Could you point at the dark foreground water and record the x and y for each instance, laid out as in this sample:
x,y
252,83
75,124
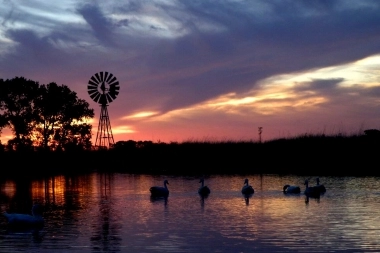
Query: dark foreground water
x,y
114,213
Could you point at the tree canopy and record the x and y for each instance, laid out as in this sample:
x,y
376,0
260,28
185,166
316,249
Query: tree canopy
x,y
47,116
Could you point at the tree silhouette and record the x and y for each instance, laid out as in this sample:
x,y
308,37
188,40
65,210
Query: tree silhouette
x,y
60,114
48,116
3,120
17,109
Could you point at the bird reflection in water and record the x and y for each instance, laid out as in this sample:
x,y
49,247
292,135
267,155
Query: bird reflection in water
x,y
307,198
202,199
311,192
154,199
246,198
22,222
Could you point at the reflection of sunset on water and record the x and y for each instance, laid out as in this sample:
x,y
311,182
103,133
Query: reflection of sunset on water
x,y
54,190
111,212
9,189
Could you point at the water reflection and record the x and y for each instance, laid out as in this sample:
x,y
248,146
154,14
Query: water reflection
x,y
159,199
105,212
246,198
316,198
106,226
202,199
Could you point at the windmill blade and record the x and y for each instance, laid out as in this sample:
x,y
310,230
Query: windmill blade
x,y
112,94
92,93
101,77
111,82
92,87
97,78
110,78
92,83
114,91
96,97
106,76
109,98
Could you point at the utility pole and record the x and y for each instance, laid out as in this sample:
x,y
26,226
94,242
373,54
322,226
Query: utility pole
x,y
260,131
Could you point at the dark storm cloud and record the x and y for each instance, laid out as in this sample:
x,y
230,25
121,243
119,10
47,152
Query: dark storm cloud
x,y
101,26
34,54
213,47
30,50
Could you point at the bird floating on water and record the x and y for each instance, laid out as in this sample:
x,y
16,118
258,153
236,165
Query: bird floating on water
x,y
159,191
247,189
291,189
320,187
26,221
311,191
204,190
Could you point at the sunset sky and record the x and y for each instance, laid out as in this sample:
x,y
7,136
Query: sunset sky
x,y
206,70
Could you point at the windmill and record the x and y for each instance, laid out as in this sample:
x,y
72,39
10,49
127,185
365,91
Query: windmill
x,y
103,88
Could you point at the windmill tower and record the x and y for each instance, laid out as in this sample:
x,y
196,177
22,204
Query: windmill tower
x,y
103,88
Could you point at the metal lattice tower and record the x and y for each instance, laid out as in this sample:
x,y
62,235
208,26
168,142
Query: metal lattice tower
x,y
104,137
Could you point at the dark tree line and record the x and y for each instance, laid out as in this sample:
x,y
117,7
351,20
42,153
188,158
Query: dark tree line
x,y
44,116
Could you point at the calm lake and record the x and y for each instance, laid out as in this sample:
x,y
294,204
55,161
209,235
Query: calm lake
x,y
114,213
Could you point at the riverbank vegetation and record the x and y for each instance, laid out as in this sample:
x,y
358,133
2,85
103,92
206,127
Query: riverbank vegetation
x,y
337,155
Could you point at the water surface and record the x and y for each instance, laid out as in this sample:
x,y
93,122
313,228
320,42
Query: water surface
x,y
114,213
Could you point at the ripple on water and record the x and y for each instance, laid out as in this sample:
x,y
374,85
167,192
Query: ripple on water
x,y
114,213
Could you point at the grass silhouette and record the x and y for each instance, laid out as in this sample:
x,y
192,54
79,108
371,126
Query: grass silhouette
x,y
335,155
